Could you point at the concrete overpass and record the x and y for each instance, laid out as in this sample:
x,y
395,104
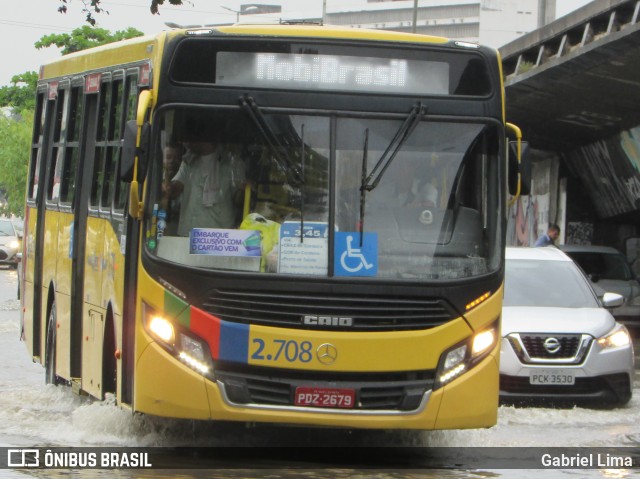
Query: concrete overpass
x,y
573,87
577,79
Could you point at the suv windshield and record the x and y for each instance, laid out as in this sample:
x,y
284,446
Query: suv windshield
x,y
6,228
546,284
245,190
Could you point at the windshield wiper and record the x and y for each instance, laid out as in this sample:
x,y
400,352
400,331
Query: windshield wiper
x,y
363,180
401,136
303,184
368,183
280,154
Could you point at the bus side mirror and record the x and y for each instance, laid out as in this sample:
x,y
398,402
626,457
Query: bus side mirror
x,y
130,150
523,168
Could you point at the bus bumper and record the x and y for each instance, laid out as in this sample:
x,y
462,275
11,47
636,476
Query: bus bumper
x,y
166,387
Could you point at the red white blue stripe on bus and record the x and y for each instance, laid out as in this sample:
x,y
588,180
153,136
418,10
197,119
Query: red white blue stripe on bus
x,y
227,341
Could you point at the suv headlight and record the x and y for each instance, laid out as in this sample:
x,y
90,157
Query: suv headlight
x,y
463,356
616,338
188,348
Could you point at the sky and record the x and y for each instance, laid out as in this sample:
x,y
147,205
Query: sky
x,y
26,21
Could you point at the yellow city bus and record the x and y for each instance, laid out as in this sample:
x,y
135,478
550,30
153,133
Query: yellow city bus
x,y
284,224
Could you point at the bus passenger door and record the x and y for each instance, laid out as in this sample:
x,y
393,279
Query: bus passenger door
x,y
79,231
105,260
34,325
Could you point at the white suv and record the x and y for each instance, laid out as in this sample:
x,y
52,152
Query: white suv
x,y
559,344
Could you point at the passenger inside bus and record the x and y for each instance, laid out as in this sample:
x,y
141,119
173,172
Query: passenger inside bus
x,y
207,185
171,160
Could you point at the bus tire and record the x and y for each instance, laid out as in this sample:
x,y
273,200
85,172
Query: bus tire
x,y
50,376
109,362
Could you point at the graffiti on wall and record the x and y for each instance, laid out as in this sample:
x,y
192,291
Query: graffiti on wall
x,y
579,233
522,222
528,219
529,216
610,172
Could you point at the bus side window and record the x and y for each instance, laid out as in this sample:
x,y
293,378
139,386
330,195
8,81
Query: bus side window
x,y
130,99
57,153
69,169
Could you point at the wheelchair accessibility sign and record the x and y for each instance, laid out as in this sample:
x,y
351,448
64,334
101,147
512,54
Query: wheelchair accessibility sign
x,y
353,259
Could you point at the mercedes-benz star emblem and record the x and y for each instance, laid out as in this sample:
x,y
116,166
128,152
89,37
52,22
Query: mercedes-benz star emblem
x,y
552,345
327,353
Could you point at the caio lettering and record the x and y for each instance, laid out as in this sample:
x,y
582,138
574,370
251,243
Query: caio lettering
x,y
331,321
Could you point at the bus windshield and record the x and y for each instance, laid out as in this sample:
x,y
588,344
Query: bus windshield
x,y
252,190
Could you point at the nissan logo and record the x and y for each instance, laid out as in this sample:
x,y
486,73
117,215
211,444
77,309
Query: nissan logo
x,y
327,354
552,345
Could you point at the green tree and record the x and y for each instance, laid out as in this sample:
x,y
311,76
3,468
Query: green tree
x,y
95,6
20,94
85,37
15,138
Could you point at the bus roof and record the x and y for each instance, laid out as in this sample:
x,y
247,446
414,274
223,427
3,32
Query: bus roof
x,y
327,31
147,47
122,52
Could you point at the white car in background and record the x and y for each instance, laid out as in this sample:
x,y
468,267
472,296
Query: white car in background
x,y
9,243
608,270
559,342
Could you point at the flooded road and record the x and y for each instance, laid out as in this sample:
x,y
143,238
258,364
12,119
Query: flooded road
x,y
33,414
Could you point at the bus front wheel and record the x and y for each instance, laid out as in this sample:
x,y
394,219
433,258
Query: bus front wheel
x,y
109,362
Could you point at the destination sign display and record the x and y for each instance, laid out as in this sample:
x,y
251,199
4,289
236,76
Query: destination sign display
x,y
332,72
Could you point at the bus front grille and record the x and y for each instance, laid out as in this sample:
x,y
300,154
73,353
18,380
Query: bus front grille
x,y
398,391
328,311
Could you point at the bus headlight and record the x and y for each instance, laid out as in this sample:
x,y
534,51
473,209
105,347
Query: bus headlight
x,y
195,354
189,349
162,329
453,366
617,337
483,341
462,357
